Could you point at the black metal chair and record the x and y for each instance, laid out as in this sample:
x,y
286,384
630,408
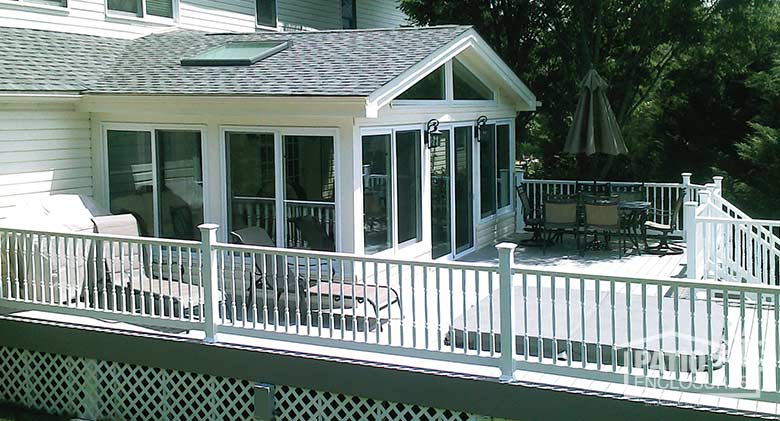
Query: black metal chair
x,y
671,218
602,216
531,219
560,216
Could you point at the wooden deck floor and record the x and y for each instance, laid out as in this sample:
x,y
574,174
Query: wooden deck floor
x,y
565,257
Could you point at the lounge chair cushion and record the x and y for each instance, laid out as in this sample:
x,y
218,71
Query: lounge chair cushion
x,y
125,225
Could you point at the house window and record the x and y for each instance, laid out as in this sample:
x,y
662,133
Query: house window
x,y
157,175
348,14
289,203
237,53
494,162
392,181
265,12
467,86
143,8
431,87
54,3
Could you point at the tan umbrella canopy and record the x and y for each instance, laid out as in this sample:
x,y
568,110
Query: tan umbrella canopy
x,y
595,128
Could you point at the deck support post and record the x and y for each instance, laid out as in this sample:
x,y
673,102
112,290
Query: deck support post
x,y
210,316
718,181
689,213
519,221
507,310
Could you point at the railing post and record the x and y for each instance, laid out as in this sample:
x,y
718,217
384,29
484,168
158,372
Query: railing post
x,y
718,181
690,238
208,233
507,310
519,221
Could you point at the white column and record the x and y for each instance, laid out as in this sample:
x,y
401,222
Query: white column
x,y
208,234
519,222
718,181
507,310
689,213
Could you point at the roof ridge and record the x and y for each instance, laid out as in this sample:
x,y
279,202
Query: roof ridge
x,y
326,31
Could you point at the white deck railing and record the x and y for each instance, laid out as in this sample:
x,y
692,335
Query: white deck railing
x,y
729,245
662,196
669,333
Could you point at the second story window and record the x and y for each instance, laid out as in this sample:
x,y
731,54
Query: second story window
x,y
348,14
56,3
142,8
265,12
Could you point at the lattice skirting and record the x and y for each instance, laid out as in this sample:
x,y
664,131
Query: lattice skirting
x,y
102,390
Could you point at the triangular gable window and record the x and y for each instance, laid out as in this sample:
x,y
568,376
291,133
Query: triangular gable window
x,y
466,85
431,87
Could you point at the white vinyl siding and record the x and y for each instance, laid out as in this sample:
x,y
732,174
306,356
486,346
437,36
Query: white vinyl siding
x,y
44,149
495,229
89,16
379,14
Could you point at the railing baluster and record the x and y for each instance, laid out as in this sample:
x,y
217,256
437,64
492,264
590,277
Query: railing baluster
x,y
726,368
426,327
463,275
760,328
439,310
479,310
539,343
677,357
597,299
694,363
629,348
709,362
552,315
492,340
743,334
390,305
662,353
645,359
583,345
452,310
612,325
526,344
377,302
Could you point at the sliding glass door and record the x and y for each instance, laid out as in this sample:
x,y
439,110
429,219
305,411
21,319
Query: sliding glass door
x,y
157,175
463,195
441,238
291,204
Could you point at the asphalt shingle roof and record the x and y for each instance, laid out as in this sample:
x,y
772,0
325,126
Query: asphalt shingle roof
x,y
325,63
33,60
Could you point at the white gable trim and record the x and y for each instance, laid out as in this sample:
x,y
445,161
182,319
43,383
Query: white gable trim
x,y
468,39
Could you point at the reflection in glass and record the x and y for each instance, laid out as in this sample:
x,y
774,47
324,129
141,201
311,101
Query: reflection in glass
x,y
466,85
487,170
502,166
464,219
377,196
441,243
251,186
309,190
130,177
409,185
431,87
180,174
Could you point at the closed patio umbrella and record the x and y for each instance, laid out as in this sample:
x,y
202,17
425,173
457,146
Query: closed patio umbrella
x,y
595,128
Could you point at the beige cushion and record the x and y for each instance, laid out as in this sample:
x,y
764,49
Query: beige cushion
x,y
116,225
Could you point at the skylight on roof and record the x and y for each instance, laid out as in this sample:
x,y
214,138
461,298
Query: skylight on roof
x,y
236,53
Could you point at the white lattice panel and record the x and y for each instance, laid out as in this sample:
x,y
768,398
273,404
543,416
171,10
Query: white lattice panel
x,y
107,390
293,403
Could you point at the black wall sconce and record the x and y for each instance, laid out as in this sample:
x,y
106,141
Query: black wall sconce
x,y
479,128
432,134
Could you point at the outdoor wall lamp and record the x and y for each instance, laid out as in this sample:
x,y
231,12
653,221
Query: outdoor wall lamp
x,y
432,134
479,128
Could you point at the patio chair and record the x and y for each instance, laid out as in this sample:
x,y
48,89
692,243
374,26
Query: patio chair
x,y
531,220
603,216
663,247
593,187
560,215
127,274
631,193
313,233
285,287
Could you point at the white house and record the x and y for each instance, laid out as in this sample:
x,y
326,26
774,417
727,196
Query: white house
x,y
181,127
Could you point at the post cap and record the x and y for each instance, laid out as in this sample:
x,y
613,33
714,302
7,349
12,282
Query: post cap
x,y
686,174
506,246
717,178
691,204
208,227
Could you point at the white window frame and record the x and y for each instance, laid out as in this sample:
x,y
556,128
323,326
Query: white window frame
x,y
395,247
279,187
474,189
275,27
27,5
449,94
144,17
152,128
499,212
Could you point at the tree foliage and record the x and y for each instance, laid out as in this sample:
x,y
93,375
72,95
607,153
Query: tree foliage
x,y
694,83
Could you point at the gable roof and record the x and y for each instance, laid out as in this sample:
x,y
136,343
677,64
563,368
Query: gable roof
x,y
324,63
376,64
34,60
